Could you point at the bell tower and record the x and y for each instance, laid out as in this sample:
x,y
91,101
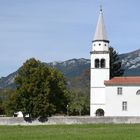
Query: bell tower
x,y
100,68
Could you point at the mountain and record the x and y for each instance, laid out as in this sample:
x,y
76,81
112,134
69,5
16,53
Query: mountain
x,y
71,68
131,63
75,69
8,81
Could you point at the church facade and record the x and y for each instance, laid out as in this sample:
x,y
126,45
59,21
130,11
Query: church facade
x,y
119,96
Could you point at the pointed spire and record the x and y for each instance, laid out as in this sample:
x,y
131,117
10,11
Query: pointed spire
x,y
100,34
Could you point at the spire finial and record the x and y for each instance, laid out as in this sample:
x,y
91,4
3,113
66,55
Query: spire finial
x,y
101,8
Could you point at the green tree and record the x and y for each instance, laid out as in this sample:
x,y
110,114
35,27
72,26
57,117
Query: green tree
x,y
10,105
78,103
79,95
41,91
58,92
115,64
4,97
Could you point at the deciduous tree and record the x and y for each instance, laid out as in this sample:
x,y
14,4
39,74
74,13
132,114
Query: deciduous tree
x,y
41,91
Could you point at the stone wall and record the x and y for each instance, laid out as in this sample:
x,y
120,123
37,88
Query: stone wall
x,y
69,120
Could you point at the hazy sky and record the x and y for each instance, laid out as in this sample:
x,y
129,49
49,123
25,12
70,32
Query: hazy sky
x,y
58,30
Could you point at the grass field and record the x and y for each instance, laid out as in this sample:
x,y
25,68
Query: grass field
x,y
71,132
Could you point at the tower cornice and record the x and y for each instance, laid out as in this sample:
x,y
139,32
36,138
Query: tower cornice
x,y
107,41
99,52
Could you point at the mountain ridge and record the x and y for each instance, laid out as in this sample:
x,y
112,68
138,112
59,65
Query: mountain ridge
x,y
75,67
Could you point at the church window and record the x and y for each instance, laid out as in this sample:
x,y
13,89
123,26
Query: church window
x,y
99,44
119,91
105,44
94,44
102,63
96,63
124,106
138,92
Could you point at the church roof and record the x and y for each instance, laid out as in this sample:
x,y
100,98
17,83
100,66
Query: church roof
x,y
100,33
123,81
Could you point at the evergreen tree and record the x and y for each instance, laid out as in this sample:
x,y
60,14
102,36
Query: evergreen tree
x,y
115,64
41,91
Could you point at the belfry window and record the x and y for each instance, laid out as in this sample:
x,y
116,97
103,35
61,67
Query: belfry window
x,y
97,63
102,63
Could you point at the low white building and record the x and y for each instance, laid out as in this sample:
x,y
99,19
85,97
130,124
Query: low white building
x,y
123,96
119,96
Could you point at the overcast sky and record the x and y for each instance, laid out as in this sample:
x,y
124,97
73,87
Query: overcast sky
x,y
58,30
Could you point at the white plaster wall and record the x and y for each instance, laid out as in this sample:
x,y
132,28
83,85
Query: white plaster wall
x,y
102,47
98,76
114,101
97,96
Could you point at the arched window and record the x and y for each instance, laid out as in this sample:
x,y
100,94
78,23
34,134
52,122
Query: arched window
x,y
99,112
102,63
138,92
96,63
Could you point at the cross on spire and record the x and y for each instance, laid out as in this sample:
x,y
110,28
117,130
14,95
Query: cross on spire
x,y
101,8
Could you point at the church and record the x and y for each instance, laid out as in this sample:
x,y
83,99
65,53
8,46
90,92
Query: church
x,y
119,96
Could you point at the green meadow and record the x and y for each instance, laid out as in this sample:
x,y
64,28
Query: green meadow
x,y
71,132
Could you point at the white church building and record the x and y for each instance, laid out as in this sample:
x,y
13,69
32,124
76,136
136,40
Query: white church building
x,y
119,96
